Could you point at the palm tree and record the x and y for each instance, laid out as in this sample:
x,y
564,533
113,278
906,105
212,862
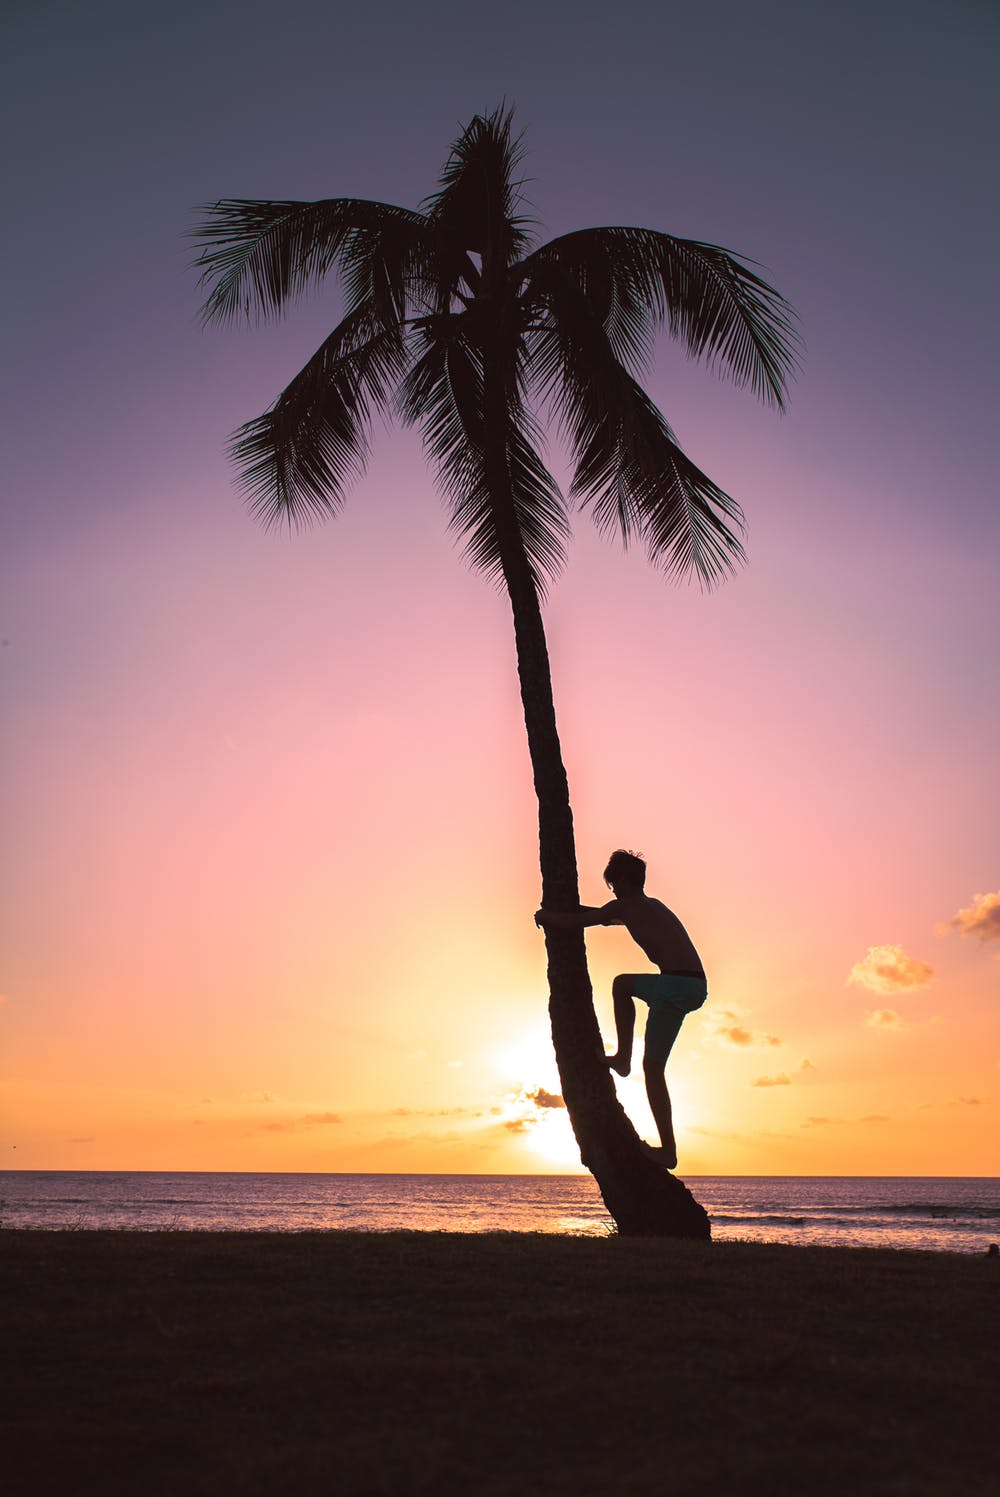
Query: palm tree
x,y
459,323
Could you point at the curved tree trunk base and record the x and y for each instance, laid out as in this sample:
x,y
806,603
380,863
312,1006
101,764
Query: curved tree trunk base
x,y
644,1198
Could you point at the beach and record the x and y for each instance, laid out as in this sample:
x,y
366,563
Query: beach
x,y
407,1363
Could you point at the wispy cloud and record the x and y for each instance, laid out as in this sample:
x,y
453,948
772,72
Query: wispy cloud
x,y
957,1102
885,1018
436,1112
731,1029
888,969
783,1078
308,1120
980,919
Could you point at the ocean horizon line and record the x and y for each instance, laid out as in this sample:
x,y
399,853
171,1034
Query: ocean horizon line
x,y
482,1174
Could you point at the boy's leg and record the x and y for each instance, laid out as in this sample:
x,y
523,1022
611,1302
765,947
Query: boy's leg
x,y
662,1029
621,992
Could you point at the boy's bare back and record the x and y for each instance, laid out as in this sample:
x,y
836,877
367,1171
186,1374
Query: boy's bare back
x,y
656,930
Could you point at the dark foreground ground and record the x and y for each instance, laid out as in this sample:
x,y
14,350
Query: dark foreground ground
x,y
342,1363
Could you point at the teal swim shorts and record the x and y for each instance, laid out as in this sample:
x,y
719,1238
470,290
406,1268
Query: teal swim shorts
x,y
682,994
669,997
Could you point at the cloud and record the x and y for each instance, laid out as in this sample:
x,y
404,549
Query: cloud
x,y
980,919
782,1078
309,1120
955,1102
876,1117
258,1097
89,1140
885,1018
888,969
436,1112
529,1107
542,1098
730,1029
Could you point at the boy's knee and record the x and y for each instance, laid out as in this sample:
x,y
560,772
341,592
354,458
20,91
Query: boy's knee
x,y
621,987
652,1067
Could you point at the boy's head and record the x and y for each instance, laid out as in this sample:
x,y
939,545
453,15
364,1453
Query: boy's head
x,y
625,870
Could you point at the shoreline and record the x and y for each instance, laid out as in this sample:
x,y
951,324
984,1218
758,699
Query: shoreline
x,y
412,1362
513,1234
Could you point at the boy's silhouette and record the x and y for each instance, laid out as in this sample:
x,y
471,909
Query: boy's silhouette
x,y
677,989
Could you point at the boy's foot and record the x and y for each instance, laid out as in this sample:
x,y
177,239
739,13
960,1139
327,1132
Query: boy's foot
x,y
664,1156
620,1063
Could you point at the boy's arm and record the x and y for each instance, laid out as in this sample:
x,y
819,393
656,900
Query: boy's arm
x,y
587,914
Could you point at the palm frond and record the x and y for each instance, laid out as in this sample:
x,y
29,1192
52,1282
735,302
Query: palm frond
x,y
710,299
595,265
443,393
297,460
629,467
256,256
478,201
688,524
540,514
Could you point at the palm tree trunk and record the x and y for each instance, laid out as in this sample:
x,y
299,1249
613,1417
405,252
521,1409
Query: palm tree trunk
x,y
642,1197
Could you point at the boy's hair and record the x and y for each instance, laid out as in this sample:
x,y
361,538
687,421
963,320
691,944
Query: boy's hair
x,y
625,868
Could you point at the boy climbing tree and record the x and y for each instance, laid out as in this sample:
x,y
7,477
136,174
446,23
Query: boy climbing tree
x,y
676,990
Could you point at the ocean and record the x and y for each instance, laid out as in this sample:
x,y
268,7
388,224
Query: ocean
x,y
936,1214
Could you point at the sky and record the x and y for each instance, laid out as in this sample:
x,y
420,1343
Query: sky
x,y
268,849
